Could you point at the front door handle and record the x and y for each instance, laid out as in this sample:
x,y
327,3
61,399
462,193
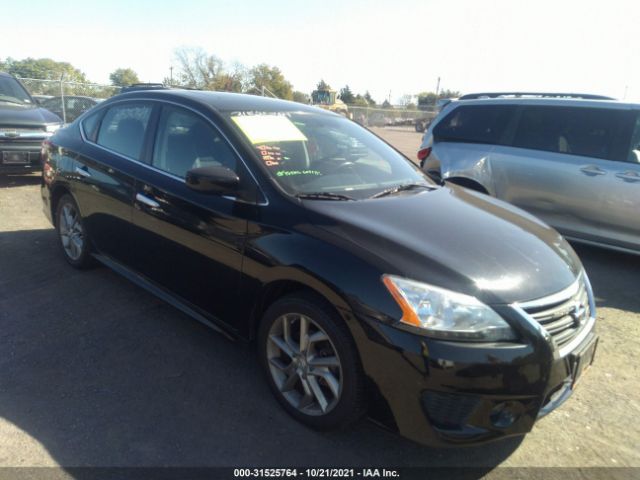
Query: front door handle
x,y
83,172
147,201
592,170
629,176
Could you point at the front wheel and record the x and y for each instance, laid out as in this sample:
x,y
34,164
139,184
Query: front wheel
x,y
71,233
311,362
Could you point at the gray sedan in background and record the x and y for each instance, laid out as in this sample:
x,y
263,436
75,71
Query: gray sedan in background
x,y
571,160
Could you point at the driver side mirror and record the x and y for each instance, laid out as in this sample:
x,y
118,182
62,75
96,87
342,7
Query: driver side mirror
x,y
213,179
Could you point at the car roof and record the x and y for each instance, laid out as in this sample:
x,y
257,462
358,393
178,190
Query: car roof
x,y
550,101
224,101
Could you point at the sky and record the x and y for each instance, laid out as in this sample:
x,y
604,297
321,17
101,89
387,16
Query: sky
x,y
389,47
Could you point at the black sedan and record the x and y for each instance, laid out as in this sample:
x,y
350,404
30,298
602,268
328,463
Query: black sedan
x,y
444,314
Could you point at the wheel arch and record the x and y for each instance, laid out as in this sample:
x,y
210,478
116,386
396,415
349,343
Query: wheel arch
x,y
279,288
57,192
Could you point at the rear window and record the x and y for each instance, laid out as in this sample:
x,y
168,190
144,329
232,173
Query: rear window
x,y
591,132
476,124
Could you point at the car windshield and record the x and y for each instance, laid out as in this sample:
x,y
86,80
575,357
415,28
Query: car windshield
x,y
12,92
326,157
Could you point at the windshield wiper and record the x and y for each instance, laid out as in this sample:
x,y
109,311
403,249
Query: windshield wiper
x,y
401,188
323,196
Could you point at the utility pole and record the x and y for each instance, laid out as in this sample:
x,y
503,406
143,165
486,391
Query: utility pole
x,y
64,110
171,75
437,89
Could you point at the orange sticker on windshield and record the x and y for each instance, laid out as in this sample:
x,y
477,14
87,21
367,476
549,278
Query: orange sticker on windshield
x,y
271,155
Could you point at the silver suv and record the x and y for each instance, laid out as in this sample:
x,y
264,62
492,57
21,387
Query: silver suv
x,y
571,160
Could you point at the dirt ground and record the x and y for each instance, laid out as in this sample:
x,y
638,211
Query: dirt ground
x,y
96,372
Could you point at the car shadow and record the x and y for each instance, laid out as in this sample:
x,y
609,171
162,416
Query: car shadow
x,y
19,180
614,276
101,373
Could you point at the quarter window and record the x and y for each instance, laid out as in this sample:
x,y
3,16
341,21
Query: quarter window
x,y
90,125
186,141
590,132
476,124
123,128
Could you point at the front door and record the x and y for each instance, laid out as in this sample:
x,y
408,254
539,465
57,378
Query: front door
x,y
190,243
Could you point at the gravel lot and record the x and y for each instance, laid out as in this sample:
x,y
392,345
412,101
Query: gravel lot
x,y
96,372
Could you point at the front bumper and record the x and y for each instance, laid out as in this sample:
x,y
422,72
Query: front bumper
x,y
20,157
445,393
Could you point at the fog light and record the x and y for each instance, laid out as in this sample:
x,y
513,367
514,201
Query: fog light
x,y
504,414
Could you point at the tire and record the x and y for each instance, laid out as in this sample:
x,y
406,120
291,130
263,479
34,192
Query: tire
x,y
74,242
329,364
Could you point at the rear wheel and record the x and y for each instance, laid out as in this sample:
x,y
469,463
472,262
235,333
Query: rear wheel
x,y
72,234
311,363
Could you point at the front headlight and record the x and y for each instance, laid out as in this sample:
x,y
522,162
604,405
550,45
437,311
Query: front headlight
x,y
53,128
445,314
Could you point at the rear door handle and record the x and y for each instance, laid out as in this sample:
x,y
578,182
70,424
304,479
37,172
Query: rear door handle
x,y
592,170
147,201
629,176
83,172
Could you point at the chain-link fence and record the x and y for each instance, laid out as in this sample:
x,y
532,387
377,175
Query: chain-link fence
x,y
69,100
66,99
392,117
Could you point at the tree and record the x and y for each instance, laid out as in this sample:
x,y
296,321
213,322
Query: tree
x,y
370,101
429,99
197,69
360,101
300,97
346,95
386,104
123,77
272,79
322,85
406,100
43,69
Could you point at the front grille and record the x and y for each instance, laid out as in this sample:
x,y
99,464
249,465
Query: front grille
x,y
21,134
562,317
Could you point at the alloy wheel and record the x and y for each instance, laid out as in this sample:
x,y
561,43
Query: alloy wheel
x,y
71,232
304,364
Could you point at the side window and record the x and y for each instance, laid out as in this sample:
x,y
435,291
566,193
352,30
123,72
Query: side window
x,y
590,132
476,124
634,153
123,127
185,141
90,125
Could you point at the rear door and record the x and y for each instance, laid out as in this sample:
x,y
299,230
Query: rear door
x,y
559,164
190,243
621,223
104,185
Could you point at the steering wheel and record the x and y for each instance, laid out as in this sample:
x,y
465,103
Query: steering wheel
x,y
332,164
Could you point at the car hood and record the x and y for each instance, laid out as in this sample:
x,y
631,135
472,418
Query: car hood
x,y
25,116
456,239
